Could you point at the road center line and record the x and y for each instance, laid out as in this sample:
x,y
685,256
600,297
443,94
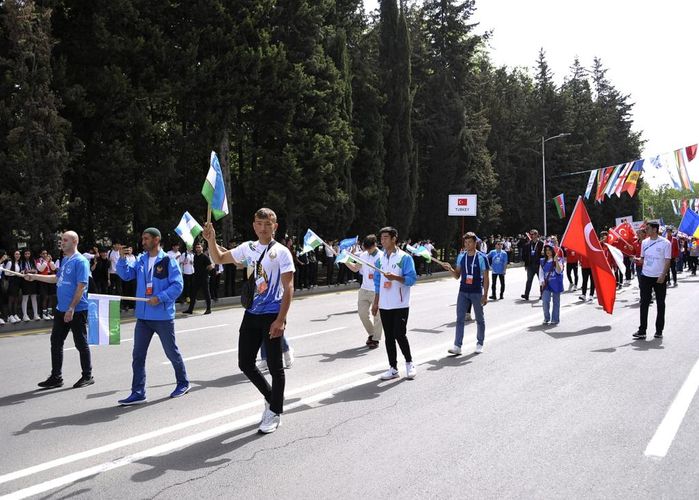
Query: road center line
x,y
666,431
228,351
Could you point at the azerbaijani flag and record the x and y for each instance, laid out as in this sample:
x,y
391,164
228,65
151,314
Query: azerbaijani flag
x,y
188,229
311,241
560,203
420,251
103,319
214,190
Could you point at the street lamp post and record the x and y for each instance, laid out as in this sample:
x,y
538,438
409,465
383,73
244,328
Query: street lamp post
x,y
543,172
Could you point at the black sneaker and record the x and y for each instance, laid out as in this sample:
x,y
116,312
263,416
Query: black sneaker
x,y
374,344
493,297
639,335
525,297
658,335
369,340
51,383
84,381
187,312
208,311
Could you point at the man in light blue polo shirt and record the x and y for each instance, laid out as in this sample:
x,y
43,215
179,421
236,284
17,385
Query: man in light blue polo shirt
x,y
498,263
71,281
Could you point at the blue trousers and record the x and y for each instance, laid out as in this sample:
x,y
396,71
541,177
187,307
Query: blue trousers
x,y
552,315
464,301
143,334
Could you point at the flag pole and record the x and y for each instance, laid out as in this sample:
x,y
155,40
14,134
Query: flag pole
x,y
113,297
208,213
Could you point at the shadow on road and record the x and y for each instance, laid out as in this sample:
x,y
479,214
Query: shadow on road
x,y
450,361
16,399
637,345
551,331
335,314
355,352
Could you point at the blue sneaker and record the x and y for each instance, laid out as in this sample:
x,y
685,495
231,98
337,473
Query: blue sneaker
x,y
134,399
180,390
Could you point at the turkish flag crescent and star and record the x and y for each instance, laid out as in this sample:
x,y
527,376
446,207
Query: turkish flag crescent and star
x,y
581,237
623,237
463,201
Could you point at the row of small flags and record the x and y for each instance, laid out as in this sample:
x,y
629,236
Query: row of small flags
x,y
623,178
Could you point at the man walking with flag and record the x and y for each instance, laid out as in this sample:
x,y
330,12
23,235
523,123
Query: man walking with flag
x,y
71,281
159,279
656,253
264,321
371,254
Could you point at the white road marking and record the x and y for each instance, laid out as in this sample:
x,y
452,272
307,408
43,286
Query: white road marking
x,y
665,434
178,331
507,329
228,351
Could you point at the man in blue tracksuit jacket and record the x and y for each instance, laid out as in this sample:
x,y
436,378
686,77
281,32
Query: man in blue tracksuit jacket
x,y
159,279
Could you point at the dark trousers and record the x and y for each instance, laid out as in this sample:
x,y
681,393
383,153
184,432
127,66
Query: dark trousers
x,y
502,283
673,270
254,332
648,285
627,263
572,270
214,283
313,273
330,263
115,284
101,286
692,262
395,327
200,283
532,272
587,275
59,332
229,272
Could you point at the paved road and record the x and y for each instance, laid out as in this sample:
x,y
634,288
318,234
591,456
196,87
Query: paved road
x,y
565,412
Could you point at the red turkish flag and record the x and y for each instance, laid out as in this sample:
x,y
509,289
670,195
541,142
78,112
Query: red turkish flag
x,y
691,152
623,237
581,237
462,201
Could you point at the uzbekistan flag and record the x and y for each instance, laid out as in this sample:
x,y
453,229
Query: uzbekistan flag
x,y
560,203
420,251
311,241
188,229
214,190
344,257
103,319
348,243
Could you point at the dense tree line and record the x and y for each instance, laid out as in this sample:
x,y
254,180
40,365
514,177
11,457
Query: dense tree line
x,y
339,120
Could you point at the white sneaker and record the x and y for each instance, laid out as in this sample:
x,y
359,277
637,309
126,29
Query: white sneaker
x,y
571,287
469,317
45,317
262,365
410,370
37,318
289,357
589,299
26,319
2,321
389,374
582,297
270,422
50,316
13,319
479,348
455,350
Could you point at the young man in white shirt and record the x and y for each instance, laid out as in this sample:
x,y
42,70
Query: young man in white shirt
x,y
392,300
265,319
656,254
366,295
186,262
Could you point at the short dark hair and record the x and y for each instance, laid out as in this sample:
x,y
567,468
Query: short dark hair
x,y
265,214
390,230
654,224
369,241
471,236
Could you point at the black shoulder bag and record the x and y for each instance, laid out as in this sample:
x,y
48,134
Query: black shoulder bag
x,y
247,291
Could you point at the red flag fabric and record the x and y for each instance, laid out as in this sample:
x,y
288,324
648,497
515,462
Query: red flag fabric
x,y
603,176
581,237
691,152
623,237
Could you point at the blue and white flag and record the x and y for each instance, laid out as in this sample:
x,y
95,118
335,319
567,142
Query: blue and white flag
x,y
214,189
311,241
348,243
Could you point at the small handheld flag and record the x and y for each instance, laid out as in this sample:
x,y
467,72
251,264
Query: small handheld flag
x,y
560,203
421,251
348,243
188,229
214,189
103,320
311,241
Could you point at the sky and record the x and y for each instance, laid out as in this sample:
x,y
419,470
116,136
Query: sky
x,y
650,49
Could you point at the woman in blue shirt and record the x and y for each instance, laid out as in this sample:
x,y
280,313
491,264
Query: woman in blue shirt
x,y
551,279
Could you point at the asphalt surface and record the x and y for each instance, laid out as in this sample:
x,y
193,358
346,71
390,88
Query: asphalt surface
x,y
544,412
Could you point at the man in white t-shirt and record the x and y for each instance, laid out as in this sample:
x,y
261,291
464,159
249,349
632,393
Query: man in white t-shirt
x,y
656,253
265,318
371,254
174,252
186,262
114,280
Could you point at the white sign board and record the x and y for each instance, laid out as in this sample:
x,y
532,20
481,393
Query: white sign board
x,y
621,220
462,205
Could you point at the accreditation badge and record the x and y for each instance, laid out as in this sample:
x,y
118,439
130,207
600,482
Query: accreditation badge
x,y
149,289
469,279
387,284
261,285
